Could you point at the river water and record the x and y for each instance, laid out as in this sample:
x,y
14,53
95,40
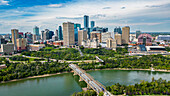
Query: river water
x,y
66,84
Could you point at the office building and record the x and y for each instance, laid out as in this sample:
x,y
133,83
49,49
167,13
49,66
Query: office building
x,y
36,31
100,29
60,33
42,35
111,43
92,24
68,34
164,37
76,28
97,35
29,37
105,36
118,38
138,32
7,49
90,43
118,30
21,44
82,35
125,34
15,36
51,33
86,21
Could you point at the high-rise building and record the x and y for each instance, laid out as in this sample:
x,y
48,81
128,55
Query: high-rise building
x,y
86,21
42,35
118,38
51,33
21,44
92,24
68,34
20,34
46,34
97,35
29,37
106,36
76,28
138,32
111,43
15,36
36,31
60,33
82,35
125,34
118,30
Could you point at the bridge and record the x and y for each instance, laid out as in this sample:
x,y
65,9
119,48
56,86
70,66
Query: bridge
x,y
100,60
91,83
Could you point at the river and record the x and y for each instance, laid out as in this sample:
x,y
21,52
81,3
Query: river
x,y
66,84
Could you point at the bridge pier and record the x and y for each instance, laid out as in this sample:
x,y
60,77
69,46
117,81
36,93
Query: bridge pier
x,y
75,73
88,87
80,79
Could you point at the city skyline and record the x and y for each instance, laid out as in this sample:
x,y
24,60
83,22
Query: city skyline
x,y
144,15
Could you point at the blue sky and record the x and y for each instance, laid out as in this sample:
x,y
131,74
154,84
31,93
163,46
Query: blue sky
x,y
144,15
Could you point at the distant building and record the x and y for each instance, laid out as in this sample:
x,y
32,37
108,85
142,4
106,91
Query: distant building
x,y
60,33
86,21
20,34
97,35
145,39
42,35
164,37
138,32
68,34
111,43
29,37
90,43
155,49
21,44
76,28
35,47
92,24
105,36
118,38
3,66
100,29
118,30
125,34
82,35
15,36
7,48
58,43
36,31
51,34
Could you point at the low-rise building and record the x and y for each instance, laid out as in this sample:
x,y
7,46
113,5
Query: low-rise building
x,y
90,43
111,43
105,36
35,47
3,66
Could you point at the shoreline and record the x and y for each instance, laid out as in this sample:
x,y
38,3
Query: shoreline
x,y
48,75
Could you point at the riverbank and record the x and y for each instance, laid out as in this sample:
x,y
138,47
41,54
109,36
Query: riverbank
x,y
48,75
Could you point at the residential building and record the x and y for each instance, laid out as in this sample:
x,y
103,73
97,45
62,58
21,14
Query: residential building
x,y
15,36
82,35
125,34
105,36
68,34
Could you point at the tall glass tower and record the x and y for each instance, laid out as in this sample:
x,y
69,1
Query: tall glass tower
x,y
36,31
86,21
92,24
60,33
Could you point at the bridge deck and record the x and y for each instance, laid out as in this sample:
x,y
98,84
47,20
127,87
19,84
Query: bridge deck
x,y
95,85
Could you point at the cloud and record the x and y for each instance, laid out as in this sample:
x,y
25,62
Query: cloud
x,y
55,5
106,7
69,17
3,2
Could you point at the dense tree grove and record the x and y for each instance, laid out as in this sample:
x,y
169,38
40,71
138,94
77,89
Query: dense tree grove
x,y
156,87
87,93
167,49
20,70
18,58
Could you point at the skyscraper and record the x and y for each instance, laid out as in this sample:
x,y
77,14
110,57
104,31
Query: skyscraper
x,y
118,38
42,35
138,32
36,31
29,37
68,34
51,33
118,30
76,28
82,35
125,34
60,33
15,36
92,24
86,21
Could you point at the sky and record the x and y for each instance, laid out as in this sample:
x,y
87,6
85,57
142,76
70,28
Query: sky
x,y
144,15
